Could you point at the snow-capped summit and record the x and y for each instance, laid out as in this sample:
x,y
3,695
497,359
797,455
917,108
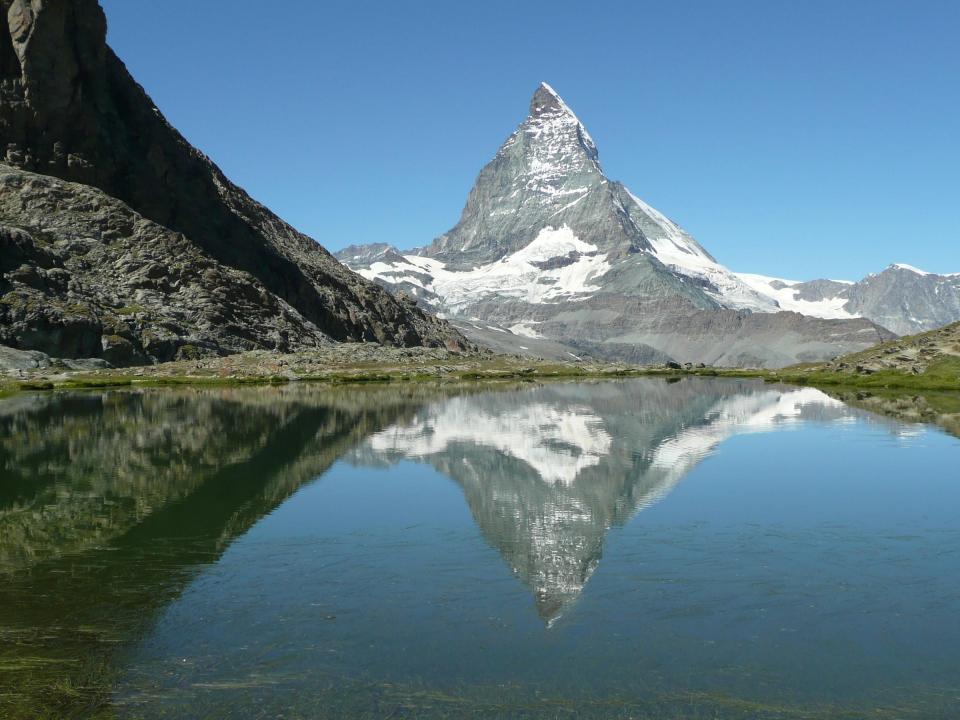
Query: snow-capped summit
x,y
548,165
549,114
547,176
547,243
911,268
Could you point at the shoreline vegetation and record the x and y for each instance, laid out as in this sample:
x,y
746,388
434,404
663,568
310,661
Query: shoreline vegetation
x,y
418,365
914,379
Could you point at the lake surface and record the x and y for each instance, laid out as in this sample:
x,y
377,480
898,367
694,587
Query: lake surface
x,y
640,548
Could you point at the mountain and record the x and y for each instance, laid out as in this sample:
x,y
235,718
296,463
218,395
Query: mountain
x,y
549,247
118,239
902,298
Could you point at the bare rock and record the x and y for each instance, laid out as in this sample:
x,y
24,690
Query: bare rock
x,y
139,219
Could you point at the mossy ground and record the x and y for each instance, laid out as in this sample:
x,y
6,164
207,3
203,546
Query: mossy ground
x,y
941,376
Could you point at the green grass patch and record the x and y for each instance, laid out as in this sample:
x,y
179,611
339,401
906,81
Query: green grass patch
x,y
943,375
8,389
81,383
947,368
876,381
35,385
129,310
356,378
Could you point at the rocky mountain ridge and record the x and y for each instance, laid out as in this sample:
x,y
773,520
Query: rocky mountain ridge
x,y
122,241
901,298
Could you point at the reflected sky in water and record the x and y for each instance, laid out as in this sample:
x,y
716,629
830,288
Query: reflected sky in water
x,y
708,548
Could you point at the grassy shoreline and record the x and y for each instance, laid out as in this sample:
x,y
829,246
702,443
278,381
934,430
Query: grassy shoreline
x,y
815,377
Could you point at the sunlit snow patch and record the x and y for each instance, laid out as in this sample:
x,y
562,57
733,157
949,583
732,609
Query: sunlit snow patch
x,y
786,297
520,275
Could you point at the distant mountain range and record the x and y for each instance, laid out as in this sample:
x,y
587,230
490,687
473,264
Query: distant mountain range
x,y
549,249
121,241
902,298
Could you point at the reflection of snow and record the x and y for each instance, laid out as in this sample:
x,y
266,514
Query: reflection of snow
x,y
550,526
557,443
760,412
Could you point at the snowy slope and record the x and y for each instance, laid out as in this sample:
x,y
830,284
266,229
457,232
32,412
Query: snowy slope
x,y
902,298
681,253
556,266
786,292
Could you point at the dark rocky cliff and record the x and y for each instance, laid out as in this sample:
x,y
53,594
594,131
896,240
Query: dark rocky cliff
x,y
69,109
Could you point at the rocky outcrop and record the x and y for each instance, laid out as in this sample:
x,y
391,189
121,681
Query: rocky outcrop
x,y
936,352
14,362
69,109
85,276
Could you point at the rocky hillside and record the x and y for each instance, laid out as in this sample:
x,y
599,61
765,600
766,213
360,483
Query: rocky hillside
x,y
547,247
121,240
937,352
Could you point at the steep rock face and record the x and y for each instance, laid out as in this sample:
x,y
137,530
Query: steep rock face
x,y
70,109
82,275
548,247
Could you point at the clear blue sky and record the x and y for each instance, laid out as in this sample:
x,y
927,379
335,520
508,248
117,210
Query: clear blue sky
x,y
800,139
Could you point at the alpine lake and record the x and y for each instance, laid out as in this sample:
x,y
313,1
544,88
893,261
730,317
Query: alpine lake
x,y
643,548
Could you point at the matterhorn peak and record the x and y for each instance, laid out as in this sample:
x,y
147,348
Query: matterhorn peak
x,y
550,115
548,248
546,99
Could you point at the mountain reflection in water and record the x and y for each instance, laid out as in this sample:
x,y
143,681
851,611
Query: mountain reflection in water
x,y
547,471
